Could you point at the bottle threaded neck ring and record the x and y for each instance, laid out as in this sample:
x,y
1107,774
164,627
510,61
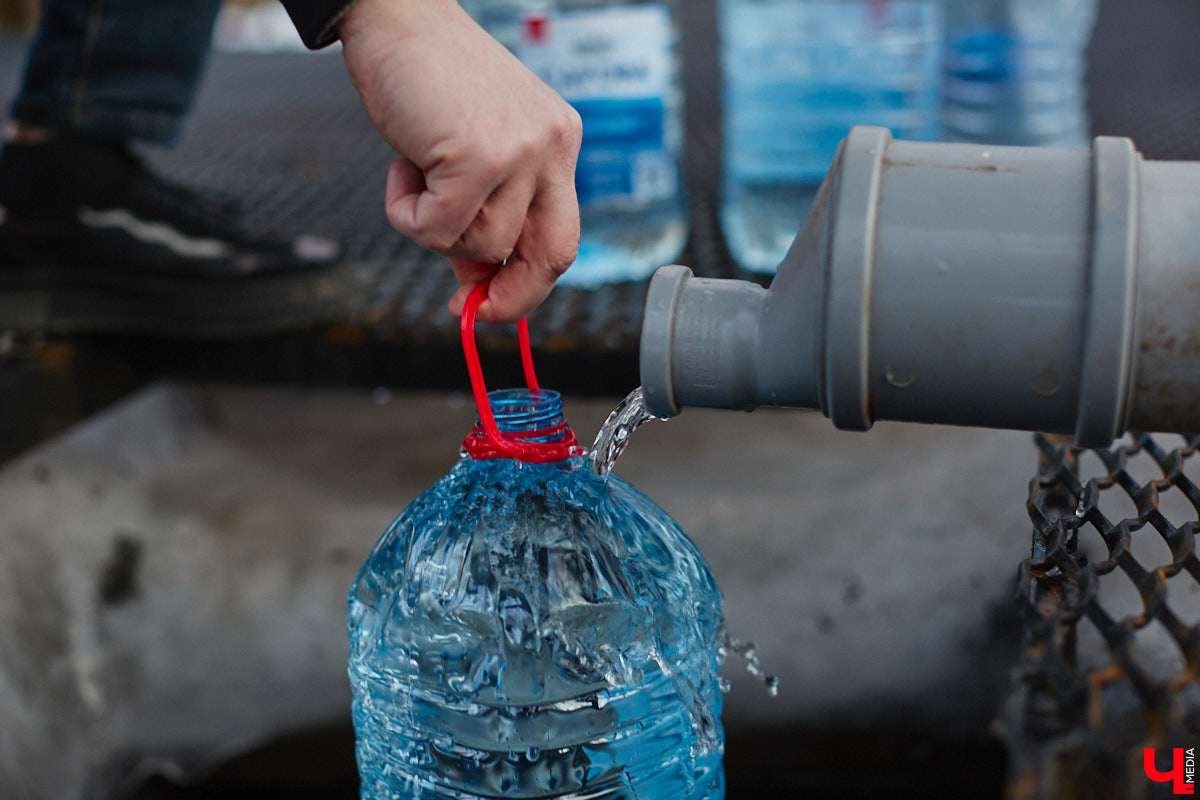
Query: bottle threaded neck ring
x,y
531,424
524,410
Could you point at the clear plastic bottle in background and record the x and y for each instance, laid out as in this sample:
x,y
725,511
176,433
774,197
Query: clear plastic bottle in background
x,y
617,62
797,75
533,630
1015,72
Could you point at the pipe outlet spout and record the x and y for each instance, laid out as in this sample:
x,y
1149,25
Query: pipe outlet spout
x,y
1028,288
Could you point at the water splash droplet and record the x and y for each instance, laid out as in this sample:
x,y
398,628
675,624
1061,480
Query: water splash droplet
x,y
900,377
748,652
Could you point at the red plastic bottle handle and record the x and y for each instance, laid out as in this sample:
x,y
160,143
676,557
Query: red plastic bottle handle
x,y
503,446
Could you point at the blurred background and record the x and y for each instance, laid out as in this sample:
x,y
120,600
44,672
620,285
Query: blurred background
x,y
179,521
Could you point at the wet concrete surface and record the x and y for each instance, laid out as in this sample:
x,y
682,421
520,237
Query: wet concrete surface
x,y
173,574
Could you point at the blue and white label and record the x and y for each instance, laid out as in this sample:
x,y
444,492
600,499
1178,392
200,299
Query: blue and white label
x,y
616,67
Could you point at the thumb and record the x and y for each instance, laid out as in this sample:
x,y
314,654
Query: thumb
x,y
405,183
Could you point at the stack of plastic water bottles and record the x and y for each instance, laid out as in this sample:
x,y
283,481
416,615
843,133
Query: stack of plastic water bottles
x,y
797,75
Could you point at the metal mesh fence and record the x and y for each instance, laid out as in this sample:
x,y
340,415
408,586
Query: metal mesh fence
x,y
1111,602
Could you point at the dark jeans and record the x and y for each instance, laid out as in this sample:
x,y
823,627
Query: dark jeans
x,y
117,69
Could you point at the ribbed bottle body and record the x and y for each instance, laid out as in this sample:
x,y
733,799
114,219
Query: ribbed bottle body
x,y
533,630
1015,72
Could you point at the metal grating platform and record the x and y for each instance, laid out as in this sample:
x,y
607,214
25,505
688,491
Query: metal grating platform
x,y
286,135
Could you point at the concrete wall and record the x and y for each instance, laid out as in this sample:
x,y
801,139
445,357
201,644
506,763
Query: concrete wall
x,y
173,572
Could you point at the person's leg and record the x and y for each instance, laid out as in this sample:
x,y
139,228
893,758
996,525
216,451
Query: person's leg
x,y
90,239
115,69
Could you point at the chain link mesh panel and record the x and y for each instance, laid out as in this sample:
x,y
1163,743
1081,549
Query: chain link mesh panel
x,y
1111,602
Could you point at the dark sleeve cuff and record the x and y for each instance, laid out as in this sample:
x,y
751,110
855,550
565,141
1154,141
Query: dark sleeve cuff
x,y
317,20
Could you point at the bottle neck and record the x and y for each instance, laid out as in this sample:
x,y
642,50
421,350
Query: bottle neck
x,y
529,410
531,419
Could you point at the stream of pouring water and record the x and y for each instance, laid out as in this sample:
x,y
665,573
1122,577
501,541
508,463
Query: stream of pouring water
x,y
610,442
614,434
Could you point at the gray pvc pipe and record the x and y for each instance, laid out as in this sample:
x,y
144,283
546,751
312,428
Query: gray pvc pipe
x,y
1029,288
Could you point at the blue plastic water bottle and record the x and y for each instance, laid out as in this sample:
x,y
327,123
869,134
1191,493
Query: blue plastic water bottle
x,y
527,628
797,75
1015,72
617,63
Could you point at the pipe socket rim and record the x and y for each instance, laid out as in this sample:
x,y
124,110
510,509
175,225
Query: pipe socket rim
x,y
1110,324
848,290
658,339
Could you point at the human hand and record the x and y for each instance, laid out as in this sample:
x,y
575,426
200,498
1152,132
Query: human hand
x,y
486,167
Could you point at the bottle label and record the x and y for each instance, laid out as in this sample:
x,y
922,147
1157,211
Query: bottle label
x,y
616,67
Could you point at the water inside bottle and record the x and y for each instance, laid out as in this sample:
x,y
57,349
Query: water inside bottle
x,y
537,630
611,441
